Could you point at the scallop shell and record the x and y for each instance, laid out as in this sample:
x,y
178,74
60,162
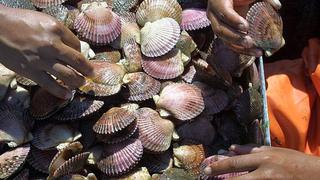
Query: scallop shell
x,y
120,6
265,27
41,159
95,154
47,3
44,104
183,101
90,176
120,158
21,4
133,57
54,136
129,28
72,15
25,81
187,46
138,174
194,19
114,120
189,157
155,133
157,163
13,130
80,107
108,79
168,66
189,74
152,10
12,160
141,86
23,175
98,25
108,54
159,37
60,12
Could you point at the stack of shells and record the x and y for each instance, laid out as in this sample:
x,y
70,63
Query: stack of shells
x,y
166,95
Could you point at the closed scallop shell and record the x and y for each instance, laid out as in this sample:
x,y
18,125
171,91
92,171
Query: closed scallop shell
x,y
159,37
106,82
114,120
53,136
129,28
183,101
168,66
141,86
25,81
120,6
41,159
187,46
152,10
133,57
47,3
60,12
194,19
265,27
98,24
120,158
12,160
79,108
21,4
155,133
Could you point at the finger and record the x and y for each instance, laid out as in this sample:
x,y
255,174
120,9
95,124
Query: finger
x,y
226,13
252,175
75,59
275,3
247,149
234,164
70,39
247,51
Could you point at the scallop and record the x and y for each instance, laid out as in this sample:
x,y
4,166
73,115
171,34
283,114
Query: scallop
x,y
129,28
120,6
47,3
59,12
41,159
194,19
133,57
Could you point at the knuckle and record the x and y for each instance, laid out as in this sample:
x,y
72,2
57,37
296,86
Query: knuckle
x,y
233,164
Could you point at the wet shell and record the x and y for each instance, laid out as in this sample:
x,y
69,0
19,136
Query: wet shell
x,y
157,163
108,79
183,101
40,159
114,120
265,27
187,46
141,86
110,55
47,3
21,4
60,12
120,6
44,104
159,37
194,19
25,81
12,160
152,10
133,57
98,25
189,157
54,136
190,74
80,107
129,28
120,158
168,66
155,133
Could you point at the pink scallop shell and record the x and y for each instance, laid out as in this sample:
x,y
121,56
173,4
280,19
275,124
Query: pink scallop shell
x,y
47,3
194,19
132,54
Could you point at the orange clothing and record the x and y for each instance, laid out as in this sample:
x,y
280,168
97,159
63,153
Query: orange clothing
x,y
293,89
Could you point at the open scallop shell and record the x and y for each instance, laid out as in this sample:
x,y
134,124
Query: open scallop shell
x,y
12,160
141,86
41,159
155,133
183,101
159,37
98,24
108,79
25,81
133,57
265,27
168,66
194,19
152,10
47,3
79,108
54,136
120,158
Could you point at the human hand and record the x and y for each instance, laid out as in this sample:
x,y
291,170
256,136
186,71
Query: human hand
x,y
267,163
228,24
37,46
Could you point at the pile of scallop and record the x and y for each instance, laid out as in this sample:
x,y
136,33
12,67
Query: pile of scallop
x,y
167,94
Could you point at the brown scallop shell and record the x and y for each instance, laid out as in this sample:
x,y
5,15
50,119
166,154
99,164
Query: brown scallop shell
x,y
110,55
183,101
54,136
168,66
43,104
129,28
98,24
159,37
265,27
120,158
133,57
60,12
152,10
155,133
41,159
194,19
12,160
25,81
141,86
47,3
108,79
80,107
189,157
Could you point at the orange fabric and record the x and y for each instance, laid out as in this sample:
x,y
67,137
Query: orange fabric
x,y
293,89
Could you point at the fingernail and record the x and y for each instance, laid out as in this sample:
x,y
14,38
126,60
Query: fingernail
x,y
233,146
208,170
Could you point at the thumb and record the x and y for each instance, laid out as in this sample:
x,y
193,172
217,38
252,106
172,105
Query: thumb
x,y
275,3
